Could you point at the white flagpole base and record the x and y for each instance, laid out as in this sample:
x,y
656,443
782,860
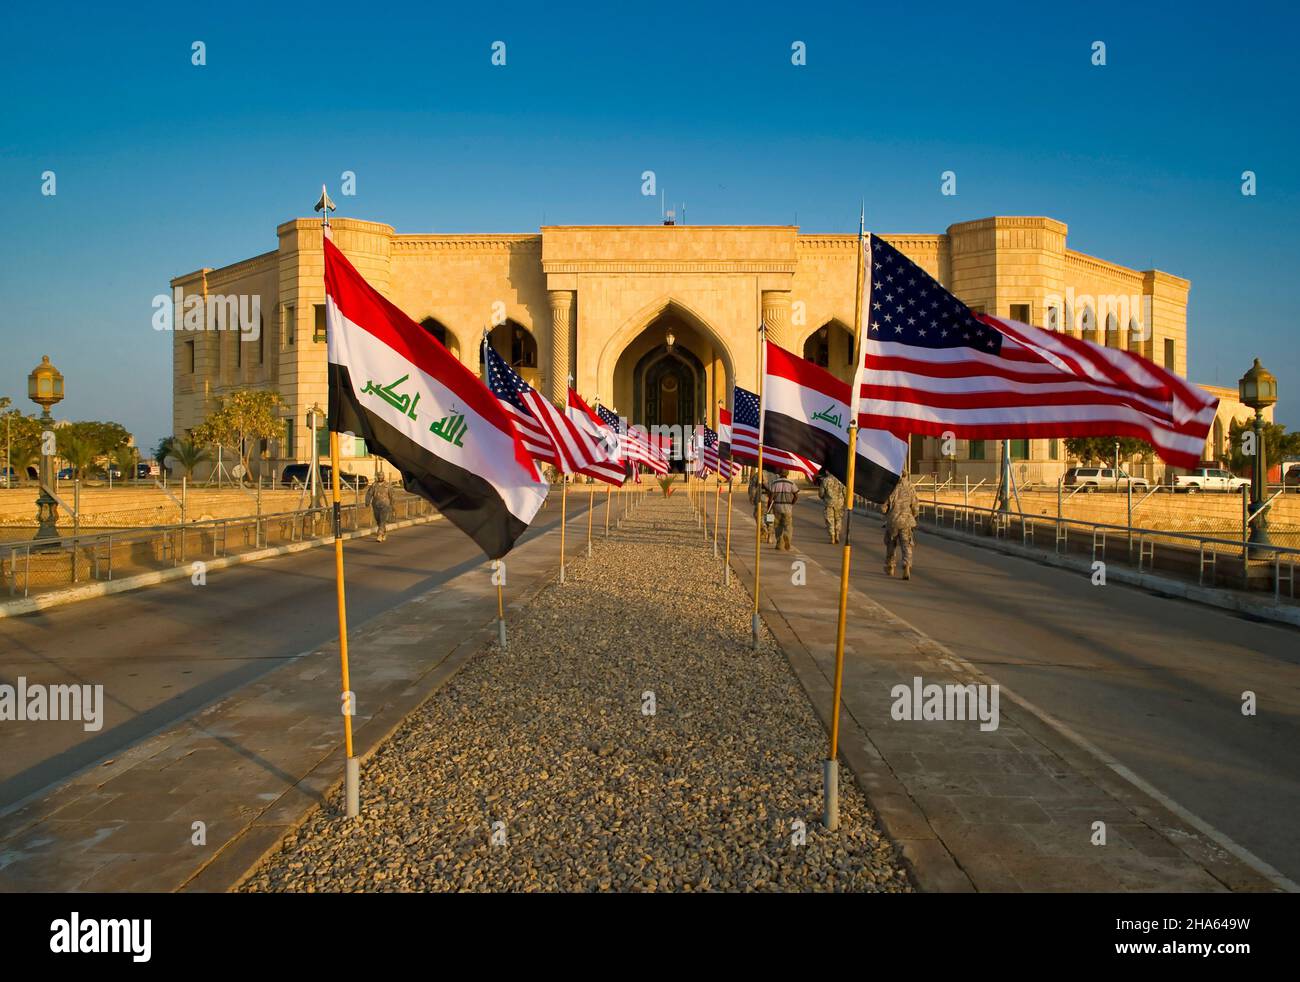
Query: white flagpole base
x,y
501,634
753,631
352,786
831,794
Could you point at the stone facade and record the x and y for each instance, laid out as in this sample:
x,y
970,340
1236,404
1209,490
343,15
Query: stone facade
x,y
601,303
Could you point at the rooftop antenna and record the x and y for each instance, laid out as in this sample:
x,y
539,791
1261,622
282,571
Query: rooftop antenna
x,y
683,212
662,192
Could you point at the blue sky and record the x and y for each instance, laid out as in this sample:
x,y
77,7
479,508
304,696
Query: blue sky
x,y
164,167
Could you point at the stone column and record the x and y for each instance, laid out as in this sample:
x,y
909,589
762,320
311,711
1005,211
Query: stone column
x,y
776,317
561,362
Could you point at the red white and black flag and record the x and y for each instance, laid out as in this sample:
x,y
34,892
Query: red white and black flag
x,y
425,413
806,412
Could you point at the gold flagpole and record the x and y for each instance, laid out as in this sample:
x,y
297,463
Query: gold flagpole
x,y
564,503
351,766
758,526
726,556
591,511
831,766
717,503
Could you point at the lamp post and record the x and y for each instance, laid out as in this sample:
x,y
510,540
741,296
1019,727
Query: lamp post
x,y
314,414
45,388
1258,390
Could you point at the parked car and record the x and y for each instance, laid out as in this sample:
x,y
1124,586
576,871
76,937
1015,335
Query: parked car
x,y
143,471
1092,478
1291,478
65,474
8,477
1209,479
301,474
114,472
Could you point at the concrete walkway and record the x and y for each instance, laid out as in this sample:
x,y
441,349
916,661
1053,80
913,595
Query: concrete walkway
x,y
1011,809
256,764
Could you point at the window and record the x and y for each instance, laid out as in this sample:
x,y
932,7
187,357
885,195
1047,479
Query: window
x,y
189,356
918,451
261,340
239,350
1170,360
290,325
976,450
1053,318
523,349
1053,449
318,323
288,438
1021,312
1019,449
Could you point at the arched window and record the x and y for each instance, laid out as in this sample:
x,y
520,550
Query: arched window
x,y
438,331
1112,330
1135,333
1088,323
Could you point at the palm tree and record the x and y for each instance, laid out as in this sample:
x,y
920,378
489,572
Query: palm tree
x,y
124,459
188,455
80,456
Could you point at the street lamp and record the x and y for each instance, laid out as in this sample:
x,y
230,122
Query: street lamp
x,y
1258,391
45,388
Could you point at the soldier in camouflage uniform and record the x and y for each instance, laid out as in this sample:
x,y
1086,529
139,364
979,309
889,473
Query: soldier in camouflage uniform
x,y
783,493
831,491
900,511
379,496
757,493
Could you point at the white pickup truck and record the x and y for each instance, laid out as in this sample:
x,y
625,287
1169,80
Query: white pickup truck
x,y
1209,479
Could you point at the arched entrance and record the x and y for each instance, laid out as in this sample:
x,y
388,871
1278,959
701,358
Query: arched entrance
x,y
668,387
666,368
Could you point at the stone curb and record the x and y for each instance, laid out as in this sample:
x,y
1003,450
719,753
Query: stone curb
x,y
1224,599
29,605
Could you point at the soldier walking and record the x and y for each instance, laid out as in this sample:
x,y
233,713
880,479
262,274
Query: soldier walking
x,y
900,511
783,494
379,496
831,491
757,492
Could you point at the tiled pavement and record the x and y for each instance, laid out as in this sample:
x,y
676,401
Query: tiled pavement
x,y
1005,810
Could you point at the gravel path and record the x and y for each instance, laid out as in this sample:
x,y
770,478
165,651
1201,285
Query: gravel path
x,y
549,745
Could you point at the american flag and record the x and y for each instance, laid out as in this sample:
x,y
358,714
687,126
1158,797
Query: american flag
x,y
635,446
548,434
744,439
708,451
931,366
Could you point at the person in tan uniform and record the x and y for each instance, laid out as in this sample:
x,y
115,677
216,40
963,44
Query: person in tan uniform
x,y
900,510
783,493
379,496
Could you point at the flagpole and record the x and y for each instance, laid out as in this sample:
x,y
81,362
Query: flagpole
x,y
591,510
351,766
759,514
609,501
717,504
727,553
831,766
564,502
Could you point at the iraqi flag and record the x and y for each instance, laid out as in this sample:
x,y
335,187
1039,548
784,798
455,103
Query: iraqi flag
x,y
806,412
425,413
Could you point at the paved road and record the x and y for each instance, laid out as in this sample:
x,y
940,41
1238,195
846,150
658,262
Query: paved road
x,y
164,652
1157,683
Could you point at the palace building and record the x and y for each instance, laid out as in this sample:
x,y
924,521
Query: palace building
x,y
656,321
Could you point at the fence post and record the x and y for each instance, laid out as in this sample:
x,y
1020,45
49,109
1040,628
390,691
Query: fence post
x,y
1245,538
1129,485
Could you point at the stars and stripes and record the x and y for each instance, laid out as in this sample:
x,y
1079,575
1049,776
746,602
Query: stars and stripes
x,y
931,366
548,435
612,469
744,439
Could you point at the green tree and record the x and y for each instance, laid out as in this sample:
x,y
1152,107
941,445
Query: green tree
x,y
1278,444
125,457
241,420
77,451
102,437
163,450
1102,448
188,455
24,436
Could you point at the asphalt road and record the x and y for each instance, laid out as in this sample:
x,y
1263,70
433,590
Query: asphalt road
x,y
164,652
1157,683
